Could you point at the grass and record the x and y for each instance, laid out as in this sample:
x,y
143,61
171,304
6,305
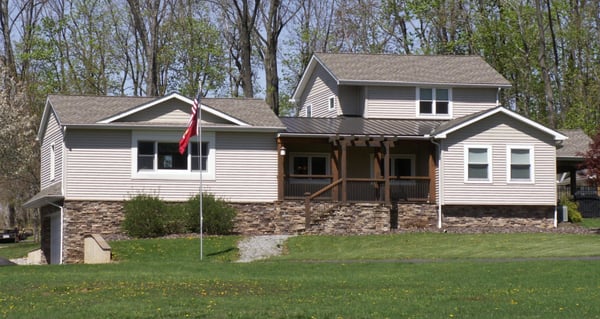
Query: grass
x,y
463,276
590,223
12,250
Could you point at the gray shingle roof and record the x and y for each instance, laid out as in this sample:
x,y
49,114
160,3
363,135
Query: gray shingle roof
x,y
83,110
577,143
358,126
412,69
50,194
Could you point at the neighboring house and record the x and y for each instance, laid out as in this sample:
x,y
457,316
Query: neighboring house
x,y
381,142
98,151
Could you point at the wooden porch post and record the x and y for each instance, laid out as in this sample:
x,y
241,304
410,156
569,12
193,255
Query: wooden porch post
x,y
335,165
344,165
432,169
377,170
386,172
280,170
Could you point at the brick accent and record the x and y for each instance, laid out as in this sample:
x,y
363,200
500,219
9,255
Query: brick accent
x,y
498,216
83,218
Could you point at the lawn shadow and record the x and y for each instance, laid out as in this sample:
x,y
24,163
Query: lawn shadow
x,y
222,252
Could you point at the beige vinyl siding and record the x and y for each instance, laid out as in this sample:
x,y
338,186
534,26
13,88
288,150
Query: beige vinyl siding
x,y
391,102
53,135
321,86
466,101
170,111
99,169
498,132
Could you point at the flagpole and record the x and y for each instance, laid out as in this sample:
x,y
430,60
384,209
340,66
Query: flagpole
x,y
199,128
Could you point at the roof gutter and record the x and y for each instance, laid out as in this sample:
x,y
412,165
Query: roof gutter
x,y
316,135
401,83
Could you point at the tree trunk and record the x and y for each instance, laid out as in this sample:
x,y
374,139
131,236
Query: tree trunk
x,y
543,67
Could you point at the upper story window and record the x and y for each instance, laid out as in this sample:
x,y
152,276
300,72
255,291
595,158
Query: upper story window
x,y
52,162
308,110
478,163
331,103
433,102
520,163
156,155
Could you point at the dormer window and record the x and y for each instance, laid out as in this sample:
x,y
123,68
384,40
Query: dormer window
x,y
433,102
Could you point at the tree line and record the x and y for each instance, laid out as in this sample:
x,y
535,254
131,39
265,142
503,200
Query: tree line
x,y
547,49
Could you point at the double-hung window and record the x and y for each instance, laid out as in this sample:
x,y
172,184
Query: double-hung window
x,y
478,165
520,163
308,110
157,156
331,103
433,102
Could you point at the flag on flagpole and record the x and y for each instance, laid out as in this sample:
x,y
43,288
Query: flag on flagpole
x,y
192,126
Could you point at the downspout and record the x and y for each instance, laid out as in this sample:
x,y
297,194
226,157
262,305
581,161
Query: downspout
x,y
440,178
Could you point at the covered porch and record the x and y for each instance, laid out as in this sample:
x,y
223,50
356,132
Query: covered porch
x,y
336,166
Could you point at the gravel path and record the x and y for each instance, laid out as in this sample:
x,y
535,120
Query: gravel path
x,y
261,247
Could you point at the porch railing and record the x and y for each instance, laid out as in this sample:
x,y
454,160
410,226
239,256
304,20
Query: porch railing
x,y
410,189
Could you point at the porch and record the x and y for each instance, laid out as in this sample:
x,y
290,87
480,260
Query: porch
x,y
357,169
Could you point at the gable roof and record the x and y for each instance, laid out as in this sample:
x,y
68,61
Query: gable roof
x,y
105,111
357,126
446,128
393,69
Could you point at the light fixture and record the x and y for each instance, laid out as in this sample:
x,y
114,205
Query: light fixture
x,y
282,151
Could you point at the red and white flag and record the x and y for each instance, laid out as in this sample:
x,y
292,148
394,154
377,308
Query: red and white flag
x,y
192,127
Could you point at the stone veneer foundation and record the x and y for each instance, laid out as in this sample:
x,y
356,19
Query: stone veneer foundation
x,y
288,217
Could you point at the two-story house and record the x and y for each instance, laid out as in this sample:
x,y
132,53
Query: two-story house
x,y
381,142
426,130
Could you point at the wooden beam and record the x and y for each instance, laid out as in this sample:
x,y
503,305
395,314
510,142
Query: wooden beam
x,y
432,170
335,166
280,171
344,156
386,172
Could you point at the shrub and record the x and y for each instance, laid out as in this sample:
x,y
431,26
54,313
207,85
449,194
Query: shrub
x,y
144,216
573,211
175,219
217,215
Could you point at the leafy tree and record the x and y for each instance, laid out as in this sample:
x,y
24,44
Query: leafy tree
x,y
592,160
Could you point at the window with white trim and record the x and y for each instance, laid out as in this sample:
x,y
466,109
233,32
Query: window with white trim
x,y
52,161
308,110
520,163
309,164
331,103
478,164
433,102
156,155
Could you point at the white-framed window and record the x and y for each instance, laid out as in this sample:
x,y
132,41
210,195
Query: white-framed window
x,y
331,103
308,110
434,102
309,164
478,163
52,161
520,163
156,155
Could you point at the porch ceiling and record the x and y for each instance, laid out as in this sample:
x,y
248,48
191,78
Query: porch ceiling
x,y
357,126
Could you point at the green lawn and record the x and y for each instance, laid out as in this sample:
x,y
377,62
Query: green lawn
x,y
591,223
390,276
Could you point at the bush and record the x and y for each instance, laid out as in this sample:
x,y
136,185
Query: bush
x,y
144,216
175,219
573,211
217,215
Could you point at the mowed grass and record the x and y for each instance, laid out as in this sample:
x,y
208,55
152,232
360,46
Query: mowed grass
x,y
389,276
